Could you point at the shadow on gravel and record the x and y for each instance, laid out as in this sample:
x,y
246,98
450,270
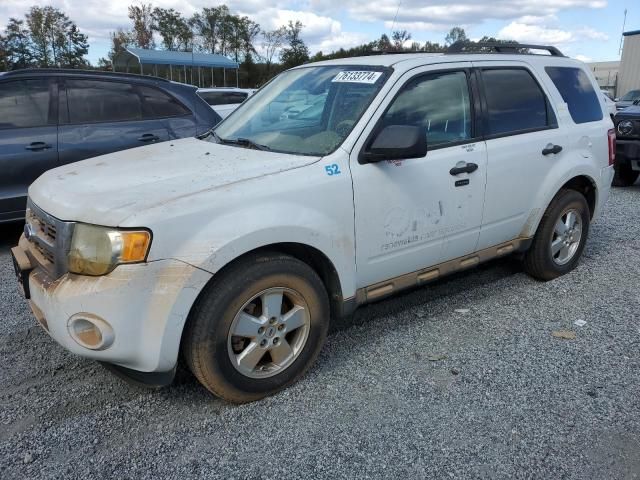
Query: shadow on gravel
x,y
448,287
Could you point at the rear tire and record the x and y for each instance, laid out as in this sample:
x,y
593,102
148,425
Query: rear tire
x,y
624,176
257,327
561,237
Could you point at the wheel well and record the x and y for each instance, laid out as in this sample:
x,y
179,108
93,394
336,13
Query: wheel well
x,y
586,187
313,257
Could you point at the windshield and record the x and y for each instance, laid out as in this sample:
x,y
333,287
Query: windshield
x,y
308,111
631,96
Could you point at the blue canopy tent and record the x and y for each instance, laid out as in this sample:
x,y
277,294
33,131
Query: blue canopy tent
x,y
137,58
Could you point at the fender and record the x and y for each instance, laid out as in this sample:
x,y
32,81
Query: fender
x,y
556,178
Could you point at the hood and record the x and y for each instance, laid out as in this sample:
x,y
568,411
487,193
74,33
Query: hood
x,y
630,112
108,189
623,104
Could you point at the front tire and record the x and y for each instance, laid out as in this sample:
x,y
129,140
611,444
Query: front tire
x,y
257,328
623,175
561,237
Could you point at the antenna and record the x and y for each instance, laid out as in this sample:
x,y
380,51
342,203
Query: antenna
x,y
393,24
624,23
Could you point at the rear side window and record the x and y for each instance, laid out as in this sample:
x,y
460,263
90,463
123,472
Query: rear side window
x,y
157,104
578,93
223,98
92,101
24,103
515,102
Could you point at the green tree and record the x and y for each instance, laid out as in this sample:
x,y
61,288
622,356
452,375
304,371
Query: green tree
x,y
272,42
17,45
119,41
384,43
73,50
208,25
456,35
54,39
297,52
142,17
174,30
399,38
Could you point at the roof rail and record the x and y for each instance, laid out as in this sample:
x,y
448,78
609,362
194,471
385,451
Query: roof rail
x,y
80,71
461,47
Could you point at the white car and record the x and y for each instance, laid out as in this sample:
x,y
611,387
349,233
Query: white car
x,y
225,100
235,250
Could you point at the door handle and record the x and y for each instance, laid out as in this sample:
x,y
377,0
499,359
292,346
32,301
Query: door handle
x,y
551,149
468,168
148,137
36,146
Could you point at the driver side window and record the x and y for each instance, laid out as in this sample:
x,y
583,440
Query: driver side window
x,y
439,103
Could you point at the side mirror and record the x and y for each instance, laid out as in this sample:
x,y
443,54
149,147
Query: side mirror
x,y
616,99
395,142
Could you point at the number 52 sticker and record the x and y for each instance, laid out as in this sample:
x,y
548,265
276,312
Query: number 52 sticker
x,y
333,169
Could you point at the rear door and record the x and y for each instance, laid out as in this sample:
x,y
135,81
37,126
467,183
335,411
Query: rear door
x,y
103,116
28,139
519,124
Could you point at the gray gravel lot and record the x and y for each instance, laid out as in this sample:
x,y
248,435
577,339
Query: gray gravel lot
x,y
408,388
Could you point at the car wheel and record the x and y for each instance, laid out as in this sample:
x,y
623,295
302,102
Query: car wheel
x,y
561,237
257,327
624,176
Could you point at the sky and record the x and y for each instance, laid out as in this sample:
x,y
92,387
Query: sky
x,y
589,30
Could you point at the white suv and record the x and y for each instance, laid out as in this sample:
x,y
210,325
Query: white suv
x,y
233,251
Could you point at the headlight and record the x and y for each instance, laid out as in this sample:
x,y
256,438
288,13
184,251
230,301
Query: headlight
x,y
98,250
625,127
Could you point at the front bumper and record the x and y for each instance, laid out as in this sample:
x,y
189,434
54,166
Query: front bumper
x,y
627,151
145,306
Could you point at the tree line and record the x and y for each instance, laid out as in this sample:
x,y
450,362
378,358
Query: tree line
x,y
47,37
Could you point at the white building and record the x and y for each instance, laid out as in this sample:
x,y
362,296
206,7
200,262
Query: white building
x,y
606,74
629,77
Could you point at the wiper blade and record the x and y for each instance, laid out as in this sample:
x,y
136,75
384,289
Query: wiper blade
x,y
243,142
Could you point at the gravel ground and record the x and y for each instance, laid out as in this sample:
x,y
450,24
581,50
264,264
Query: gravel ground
x,y
462,379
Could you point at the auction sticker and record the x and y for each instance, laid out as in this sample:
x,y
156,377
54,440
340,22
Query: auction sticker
x,y
357,77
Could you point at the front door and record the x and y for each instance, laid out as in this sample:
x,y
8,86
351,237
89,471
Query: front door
x,y
414,213
28,140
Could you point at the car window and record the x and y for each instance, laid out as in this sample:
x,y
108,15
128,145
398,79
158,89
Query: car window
x,y
24,103
515,102
92,101
158,104
223,98
577,92
308,110
631,96
439,103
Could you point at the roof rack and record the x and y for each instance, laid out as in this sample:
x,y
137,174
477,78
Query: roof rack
x,y
45,71
461,47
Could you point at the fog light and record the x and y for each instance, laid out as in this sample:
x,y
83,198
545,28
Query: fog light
x,y
90,331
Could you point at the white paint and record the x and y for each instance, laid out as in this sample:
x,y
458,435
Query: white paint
x,y
207,204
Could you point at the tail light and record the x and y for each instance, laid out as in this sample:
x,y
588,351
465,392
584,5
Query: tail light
x,y
612,146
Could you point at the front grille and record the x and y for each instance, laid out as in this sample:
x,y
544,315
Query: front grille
x,y
49,240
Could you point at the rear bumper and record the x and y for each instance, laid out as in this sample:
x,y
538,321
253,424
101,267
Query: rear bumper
x,y
142,307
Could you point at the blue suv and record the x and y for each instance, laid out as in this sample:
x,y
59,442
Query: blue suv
x,y
51,117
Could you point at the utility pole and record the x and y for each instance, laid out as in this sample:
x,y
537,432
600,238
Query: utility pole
x,y
624,23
